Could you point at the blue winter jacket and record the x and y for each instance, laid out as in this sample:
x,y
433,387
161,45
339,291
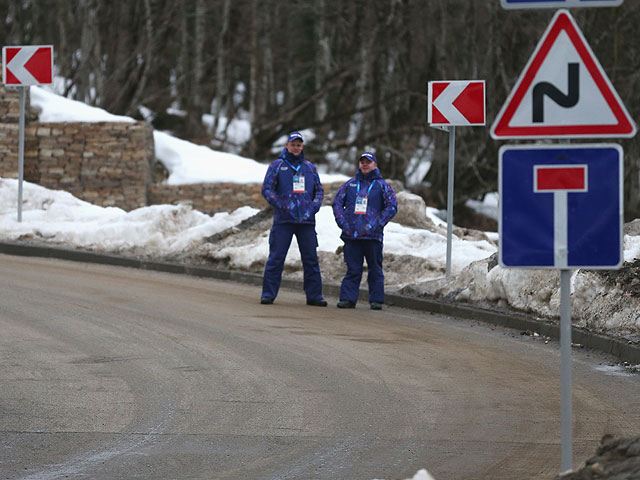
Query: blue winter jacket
x,y
277,189
381,207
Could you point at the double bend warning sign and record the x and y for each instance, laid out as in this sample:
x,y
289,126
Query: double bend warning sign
x,y
563,92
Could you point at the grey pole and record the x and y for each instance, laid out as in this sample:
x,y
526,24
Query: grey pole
x,y
452,150
565,369
21,151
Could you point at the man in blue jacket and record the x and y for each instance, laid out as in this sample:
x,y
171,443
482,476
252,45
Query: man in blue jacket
x,y
362,207
292,187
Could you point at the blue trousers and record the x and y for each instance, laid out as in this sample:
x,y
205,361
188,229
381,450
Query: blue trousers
x,y
355,251
279,242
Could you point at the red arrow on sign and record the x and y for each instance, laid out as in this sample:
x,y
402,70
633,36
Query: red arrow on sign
x,y
460,102
27,65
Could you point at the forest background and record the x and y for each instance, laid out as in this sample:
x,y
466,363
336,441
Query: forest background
x,y
354,72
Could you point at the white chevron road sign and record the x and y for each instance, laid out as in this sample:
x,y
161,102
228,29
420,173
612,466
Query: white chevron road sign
x,y
27,65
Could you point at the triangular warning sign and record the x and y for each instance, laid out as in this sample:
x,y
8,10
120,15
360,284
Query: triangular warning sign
x,y
563,92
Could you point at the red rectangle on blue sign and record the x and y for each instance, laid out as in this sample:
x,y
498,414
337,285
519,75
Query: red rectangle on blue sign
x,y
569,178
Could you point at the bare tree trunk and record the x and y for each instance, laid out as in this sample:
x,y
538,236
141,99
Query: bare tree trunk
x,y
323,60
87,53
472,38
63,63
442,50
498,67
135,101
194,99
290,74
368,37
389,79
13,32
183,62
220,67
363,78
198,69
267,90
253,74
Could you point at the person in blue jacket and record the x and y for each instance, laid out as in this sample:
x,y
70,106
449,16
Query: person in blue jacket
x,y
292,187
362,207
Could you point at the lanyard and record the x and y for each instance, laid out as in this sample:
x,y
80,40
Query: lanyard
x,y
368,190
292,167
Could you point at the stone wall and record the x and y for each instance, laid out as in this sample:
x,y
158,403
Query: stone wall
x,y
105,163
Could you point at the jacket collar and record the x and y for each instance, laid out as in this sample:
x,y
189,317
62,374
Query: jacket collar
x,y
291,158
373,175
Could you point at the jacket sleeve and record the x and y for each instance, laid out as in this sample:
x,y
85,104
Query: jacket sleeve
x,y
318,191
338,205
270,183
390,204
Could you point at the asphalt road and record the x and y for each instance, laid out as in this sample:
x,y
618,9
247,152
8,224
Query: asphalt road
x,y
114,373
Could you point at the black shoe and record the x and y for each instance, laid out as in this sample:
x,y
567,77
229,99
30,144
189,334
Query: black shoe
x,y
318,302
376,306
266,300
346,304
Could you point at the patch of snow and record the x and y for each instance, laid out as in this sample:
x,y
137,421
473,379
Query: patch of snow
x,y
614,370
487,207
54,108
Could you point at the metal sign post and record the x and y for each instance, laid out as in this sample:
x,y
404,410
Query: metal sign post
x,y
21,151
565,371
452,155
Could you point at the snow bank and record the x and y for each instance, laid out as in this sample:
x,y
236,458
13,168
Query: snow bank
x,y
59,217
596,304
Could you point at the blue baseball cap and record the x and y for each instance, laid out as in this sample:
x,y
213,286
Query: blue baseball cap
x,y
370,156
295,136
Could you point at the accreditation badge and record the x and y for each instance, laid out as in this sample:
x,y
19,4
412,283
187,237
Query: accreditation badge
x,y
298,184
361,205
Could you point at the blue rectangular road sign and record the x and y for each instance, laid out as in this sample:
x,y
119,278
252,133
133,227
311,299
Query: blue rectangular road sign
x,y
513,4
561,206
